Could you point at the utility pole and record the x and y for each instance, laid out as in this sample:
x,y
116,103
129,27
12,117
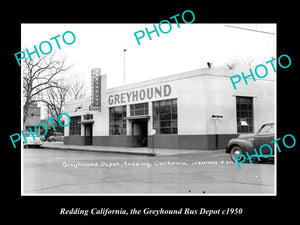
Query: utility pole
x,y
124,67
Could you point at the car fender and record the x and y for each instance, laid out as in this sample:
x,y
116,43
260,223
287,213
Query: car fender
x,y
245,145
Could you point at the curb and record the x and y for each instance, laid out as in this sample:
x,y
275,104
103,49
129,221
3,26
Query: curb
x,y
103,151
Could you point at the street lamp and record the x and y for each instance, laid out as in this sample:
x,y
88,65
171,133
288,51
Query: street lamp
x,y
124,50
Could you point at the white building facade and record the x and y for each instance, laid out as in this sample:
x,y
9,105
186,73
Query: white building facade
x,y
199,109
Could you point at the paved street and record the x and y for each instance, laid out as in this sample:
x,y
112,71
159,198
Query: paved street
x,y
48,171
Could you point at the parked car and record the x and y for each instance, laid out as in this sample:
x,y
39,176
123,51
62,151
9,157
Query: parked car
x,y
56,136
247,142
43,139
32,142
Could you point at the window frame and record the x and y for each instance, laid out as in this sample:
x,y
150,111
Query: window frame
x,y
112,121
244,114
139,107
165,112
75,126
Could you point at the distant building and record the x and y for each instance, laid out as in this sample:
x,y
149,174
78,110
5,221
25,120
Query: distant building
x,y
197,109
33,117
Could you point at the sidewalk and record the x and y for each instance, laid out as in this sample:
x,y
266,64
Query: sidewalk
x,y
122,150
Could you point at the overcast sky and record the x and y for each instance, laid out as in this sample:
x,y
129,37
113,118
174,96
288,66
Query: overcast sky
x,y
183,49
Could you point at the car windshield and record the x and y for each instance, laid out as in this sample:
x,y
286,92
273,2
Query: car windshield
x,y
267,128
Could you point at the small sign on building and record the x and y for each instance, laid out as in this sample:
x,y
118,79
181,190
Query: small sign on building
x,y
216,116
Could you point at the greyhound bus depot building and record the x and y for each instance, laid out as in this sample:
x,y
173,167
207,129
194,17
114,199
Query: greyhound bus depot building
x,y
199,109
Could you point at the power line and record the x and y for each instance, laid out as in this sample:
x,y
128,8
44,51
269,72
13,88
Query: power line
x,y
242,28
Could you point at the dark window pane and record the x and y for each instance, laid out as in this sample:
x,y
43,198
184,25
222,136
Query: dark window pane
x,y
139,109
165,109
174,123
75,126
139,112
165,116
244,106
165,130
174,116
165,123
117,122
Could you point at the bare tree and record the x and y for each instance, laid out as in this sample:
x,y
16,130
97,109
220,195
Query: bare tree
x,y
231,63
38,76
54,98
77,88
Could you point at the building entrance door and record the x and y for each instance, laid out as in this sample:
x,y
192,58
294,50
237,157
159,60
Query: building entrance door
x,y
139,133
88,134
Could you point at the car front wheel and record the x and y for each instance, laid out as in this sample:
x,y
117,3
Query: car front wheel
x,y
235,151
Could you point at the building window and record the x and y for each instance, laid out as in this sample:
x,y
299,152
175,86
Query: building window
x,y
139,109
165,116
75,126
117,120
244,114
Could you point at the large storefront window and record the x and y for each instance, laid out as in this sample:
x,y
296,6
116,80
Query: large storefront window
x,y
244,114
117,121
139,109
75,126
165,116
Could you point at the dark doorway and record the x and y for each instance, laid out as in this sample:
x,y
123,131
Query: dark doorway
x,y
88,134
139,133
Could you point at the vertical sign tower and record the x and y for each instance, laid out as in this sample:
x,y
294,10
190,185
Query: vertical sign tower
x,y
96,89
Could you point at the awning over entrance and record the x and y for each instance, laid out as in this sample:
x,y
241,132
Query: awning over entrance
x,y
86,121
137,117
